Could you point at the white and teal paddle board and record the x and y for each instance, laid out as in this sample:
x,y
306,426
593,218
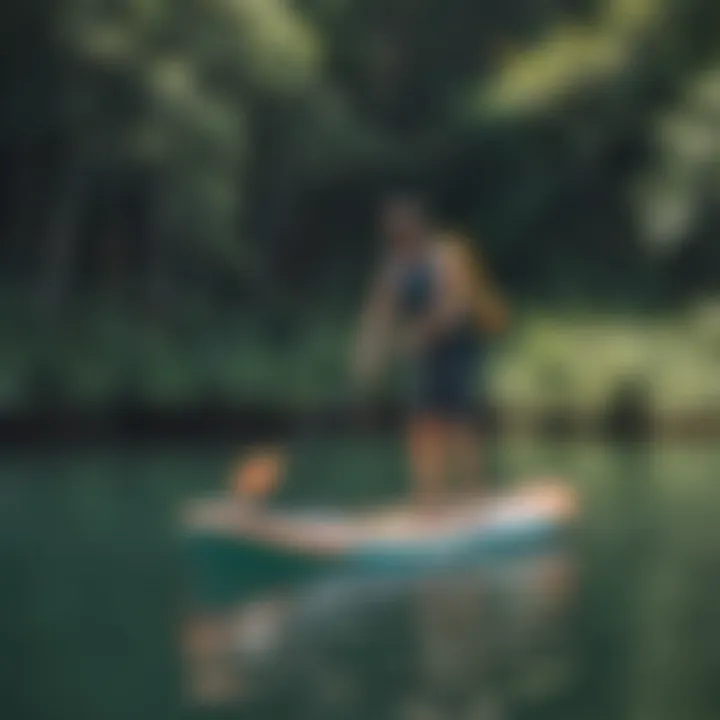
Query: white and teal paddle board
x,y
234,550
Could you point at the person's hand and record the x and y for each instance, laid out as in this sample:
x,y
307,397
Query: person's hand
x,y
364,373
414,339
367,362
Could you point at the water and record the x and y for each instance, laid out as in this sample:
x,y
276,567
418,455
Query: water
x,y
92,580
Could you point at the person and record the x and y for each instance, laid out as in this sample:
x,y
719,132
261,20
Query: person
x,y
434,300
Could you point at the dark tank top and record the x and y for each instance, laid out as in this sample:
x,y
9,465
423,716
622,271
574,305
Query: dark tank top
x,y
442,377
416,288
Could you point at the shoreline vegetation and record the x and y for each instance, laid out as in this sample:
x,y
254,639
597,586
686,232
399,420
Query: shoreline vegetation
x,y
564,375
209,423
98,357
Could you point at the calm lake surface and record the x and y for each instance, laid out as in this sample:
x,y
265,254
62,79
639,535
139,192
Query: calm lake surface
x,y
92,575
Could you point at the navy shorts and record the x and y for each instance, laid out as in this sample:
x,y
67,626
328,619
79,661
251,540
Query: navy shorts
x,y
447,377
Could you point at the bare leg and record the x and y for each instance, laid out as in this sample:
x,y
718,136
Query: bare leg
x,y
466,459
428,447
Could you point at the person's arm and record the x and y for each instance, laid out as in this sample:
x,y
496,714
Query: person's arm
x,y
376,321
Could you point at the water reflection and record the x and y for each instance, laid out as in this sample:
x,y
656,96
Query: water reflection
x,y
89,604
481,643
617,573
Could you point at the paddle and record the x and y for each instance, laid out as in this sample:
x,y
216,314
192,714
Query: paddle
x,y
259,473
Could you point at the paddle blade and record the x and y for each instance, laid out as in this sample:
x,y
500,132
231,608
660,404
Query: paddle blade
x,y
260,474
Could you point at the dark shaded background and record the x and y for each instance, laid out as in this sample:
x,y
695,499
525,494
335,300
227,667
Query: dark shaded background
x,y
187,191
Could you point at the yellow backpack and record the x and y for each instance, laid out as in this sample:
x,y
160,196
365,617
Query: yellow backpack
x,y
490,307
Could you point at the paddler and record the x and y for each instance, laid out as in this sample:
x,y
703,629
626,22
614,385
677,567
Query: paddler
x,y
432,298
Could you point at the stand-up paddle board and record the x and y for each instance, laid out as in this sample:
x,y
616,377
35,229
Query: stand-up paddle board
x,y
236,548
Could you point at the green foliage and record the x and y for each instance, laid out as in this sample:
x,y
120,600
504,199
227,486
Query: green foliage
x,y
232,149
575,361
